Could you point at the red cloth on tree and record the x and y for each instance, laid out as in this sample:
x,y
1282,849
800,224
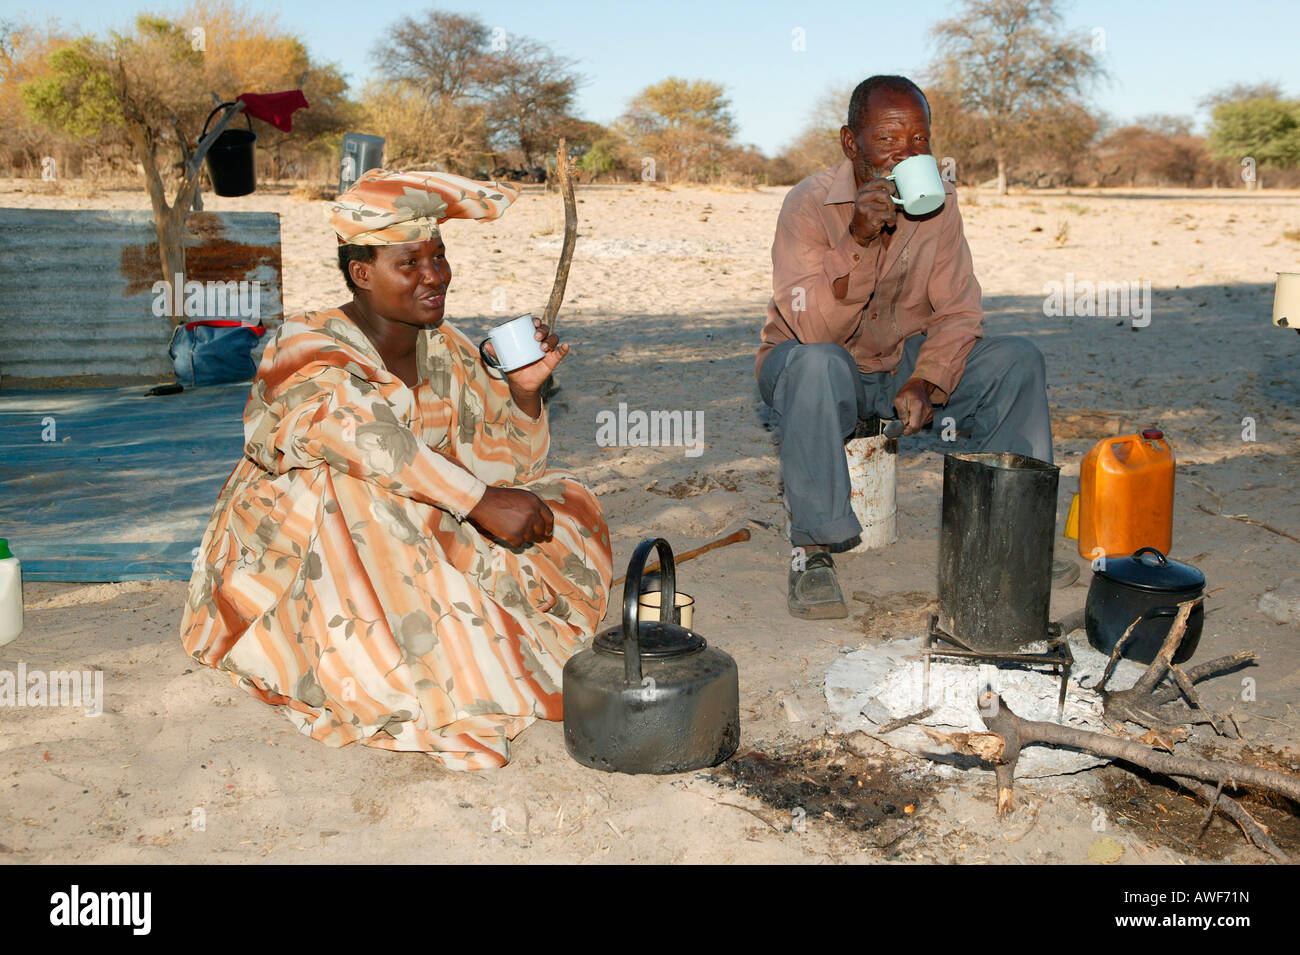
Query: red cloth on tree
x,y
274,108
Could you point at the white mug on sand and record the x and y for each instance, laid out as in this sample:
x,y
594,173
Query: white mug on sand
x,y
1286,300
514,344
919,185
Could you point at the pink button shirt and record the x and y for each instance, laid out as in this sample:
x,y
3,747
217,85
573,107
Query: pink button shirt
x,y
924,282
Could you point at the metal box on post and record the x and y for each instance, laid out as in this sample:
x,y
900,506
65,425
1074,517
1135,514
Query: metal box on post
x,y
361,153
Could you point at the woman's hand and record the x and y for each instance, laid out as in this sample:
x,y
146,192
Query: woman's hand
x,y
526,383
514,516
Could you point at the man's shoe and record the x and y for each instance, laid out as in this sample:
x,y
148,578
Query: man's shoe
x,y
814,593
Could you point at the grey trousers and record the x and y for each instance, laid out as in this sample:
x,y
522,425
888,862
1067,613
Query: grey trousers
x,y
819,395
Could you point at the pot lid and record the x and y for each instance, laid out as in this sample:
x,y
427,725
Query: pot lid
x,y
657,640
1148,569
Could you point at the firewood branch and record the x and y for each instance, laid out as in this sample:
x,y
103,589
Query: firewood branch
x,y
1135,705
1193,698
1016,733
1198,673
1255,832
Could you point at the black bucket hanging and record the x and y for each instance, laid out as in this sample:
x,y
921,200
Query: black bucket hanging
x,y
230,161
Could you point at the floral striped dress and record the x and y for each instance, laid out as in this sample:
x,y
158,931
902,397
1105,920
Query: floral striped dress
x,y
338,579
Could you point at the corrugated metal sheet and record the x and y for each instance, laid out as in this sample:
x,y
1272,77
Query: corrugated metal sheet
x,y
76,287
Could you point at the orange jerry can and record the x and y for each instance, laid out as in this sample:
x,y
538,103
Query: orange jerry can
x,y
1126,495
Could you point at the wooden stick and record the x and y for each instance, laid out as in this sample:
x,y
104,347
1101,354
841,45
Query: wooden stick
x,y
570,236
1135,705
1115,653
1255,832
1149,680
1016,733
1193,698
1246,520
1198,673
736,538
1209,810
902,721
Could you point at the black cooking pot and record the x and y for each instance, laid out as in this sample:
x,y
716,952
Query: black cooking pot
x,y
1147,585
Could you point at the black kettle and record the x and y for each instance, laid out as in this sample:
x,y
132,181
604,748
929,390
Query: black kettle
x,y
651,697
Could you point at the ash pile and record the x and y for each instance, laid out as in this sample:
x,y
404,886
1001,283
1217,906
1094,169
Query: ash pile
x,y
870,688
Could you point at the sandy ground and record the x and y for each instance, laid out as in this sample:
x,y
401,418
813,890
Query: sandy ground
x,y
665,301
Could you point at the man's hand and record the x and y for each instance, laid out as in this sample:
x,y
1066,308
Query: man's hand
x,y
514,516
873,210
913,405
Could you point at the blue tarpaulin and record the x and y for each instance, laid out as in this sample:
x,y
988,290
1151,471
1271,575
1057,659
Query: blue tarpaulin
x,y
107,484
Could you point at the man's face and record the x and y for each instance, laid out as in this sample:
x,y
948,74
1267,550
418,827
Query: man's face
x,y
407,283
894,126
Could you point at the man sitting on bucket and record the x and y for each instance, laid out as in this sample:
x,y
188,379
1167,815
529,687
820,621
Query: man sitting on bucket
x,y
876,312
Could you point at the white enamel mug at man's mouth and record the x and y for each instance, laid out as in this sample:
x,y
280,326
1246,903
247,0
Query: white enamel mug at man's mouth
x,y
919,185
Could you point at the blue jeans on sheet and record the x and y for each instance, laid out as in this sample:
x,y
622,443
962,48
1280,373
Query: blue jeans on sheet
x,y
819,394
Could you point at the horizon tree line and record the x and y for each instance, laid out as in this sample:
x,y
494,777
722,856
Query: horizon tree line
x,y
451,92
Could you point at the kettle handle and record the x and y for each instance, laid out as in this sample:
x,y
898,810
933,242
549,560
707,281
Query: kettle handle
x,y
632,599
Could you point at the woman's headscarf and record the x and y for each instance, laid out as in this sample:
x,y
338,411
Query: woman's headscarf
x,y
389,208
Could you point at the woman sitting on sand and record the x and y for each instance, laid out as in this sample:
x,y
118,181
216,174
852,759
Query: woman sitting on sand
x,y
390,562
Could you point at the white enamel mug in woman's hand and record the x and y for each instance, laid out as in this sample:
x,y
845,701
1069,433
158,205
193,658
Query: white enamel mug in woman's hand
x,y
920,188
514,344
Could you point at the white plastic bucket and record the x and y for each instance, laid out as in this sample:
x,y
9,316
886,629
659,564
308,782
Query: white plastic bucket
x,y
873,477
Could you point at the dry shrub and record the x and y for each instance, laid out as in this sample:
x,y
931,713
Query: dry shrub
x,y
314,192
83,189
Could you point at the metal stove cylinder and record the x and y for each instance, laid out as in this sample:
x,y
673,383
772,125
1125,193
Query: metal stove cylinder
x,y
995,550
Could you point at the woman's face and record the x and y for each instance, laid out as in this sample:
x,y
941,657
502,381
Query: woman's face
x,y
407,283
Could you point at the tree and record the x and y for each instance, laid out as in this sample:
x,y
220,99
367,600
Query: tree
x,y
1263,133
527,92
144,85
1153,153
24,57
1165,125
818,144
745,165
958,134
1005,61
1055,143
424,103
452,92
151,88
682,126
439,55
1235,92
608,154
419,131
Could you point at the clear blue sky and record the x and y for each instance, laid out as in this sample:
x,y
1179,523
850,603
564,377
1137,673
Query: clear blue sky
x,y
1162,56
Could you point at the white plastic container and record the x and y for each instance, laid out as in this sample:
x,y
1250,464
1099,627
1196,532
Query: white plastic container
x,y
873,476
11,595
